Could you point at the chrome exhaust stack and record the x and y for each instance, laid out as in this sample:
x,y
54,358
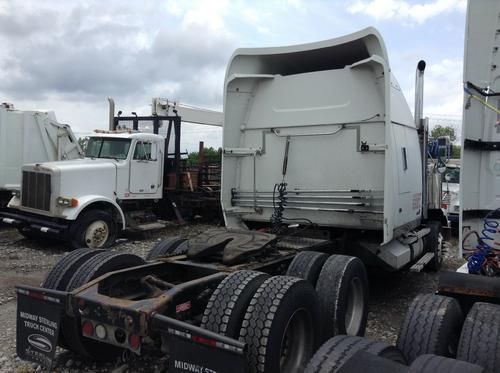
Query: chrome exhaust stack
x,y
419,92
111,114
423,132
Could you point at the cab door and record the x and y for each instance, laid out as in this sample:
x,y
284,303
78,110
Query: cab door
x,y
145,168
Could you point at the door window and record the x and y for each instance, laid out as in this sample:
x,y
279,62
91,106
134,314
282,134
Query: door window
x,y
145,151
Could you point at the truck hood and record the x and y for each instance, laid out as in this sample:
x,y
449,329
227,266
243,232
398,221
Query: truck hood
x,y
77,165
80,177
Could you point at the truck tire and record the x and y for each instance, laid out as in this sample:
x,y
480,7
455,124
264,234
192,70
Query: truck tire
x,y
480,339
429,363
100,264
94,229
281,326
228,304
71,326
434,246
342,289
307,265
59,276
335,352
431,325
169,246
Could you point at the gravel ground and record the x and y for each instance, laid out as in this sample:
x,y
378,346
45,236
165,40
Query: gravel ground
x,y
24,261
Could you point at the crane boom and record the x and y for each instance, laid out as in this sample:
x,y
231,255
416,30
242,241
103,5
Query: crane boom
x,y
189,114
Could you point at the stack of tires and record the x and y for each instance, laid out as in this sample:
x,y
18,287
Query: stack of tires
x,y
284,319
433,338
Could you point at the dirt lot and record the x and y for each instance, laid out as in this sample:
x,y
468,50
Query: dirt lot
x,y
24,261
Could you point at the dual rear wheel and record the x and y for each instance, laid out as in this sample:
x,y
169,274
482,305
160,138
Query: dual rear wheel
x,y
283,319
75,269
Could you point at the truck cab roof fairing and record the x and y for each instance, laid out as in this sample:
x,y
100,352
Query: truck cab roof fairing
x,y
323,55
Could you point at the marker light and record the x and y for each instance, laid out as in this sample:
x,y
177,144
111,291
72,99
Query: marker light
x,y
87,329
100,331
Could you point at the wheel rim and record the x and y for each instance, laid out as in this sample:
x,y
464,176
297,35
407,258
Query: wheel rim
x,y
438,253
296,342
96,234
354,307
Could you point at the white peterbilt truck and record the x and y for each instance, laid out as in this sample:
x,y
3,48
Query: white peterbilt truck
x,y
127,180
27,137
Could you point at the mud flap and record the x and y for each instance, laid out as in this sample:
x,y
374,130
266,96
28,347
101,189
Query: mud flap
x,y
38,323
193,349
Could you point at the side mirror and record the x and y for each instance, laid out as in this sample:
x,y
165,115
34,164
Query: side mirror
x,y
447,177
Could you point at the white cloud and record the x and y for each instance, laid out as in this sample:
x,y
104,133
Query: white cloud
x,y
404,11
209,14
443,88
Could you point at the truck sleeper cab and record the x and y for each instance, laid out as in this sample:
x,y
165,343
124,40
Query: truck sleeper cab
x,y
321,135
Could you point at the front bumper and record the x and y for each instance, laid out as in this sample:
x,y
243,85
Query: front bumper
x,y
34,222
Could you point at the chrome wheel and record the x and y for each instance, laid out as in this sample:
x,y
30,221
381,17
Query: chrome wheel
x,y
354,307
296,341
97,234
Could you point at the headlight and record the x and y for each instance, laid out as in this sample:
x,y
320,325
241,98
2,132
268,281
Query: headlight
x,y
16,193
67,202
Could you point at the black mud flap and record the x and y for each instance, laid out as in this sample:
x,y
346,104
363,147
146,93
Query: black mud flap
x,y
38,317
193,349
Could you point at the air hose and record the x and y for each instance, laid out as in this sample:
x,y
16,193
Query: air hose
x,y
279,203
484,260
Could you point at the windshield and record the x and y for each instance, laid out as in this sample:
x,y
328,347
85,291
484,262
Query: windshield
x,y
452,175
99,147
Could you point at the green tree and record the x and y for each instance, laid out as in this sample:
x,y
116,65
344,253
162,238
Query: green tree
x,y
443,131
455,151
211,155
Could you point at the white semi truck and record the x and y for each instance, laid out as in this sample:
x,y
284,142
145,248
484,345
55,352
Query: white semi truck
x,y
323,165
28,137
127,180
321,134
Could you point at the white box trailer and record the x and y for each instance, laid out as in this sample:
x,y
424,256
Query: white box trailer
x,y
30,137
480,162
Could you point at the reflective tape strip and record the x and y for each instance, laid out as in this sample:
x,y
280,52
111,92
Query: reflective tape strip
x,y
189,336
38,295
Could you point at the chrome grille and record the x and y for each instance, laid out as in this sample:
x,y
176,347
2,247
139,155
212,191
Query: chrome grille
x,y
36,190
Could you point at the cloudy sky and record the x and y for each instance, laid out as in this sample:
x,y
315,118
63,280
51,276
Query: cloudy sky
x,y
68,56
